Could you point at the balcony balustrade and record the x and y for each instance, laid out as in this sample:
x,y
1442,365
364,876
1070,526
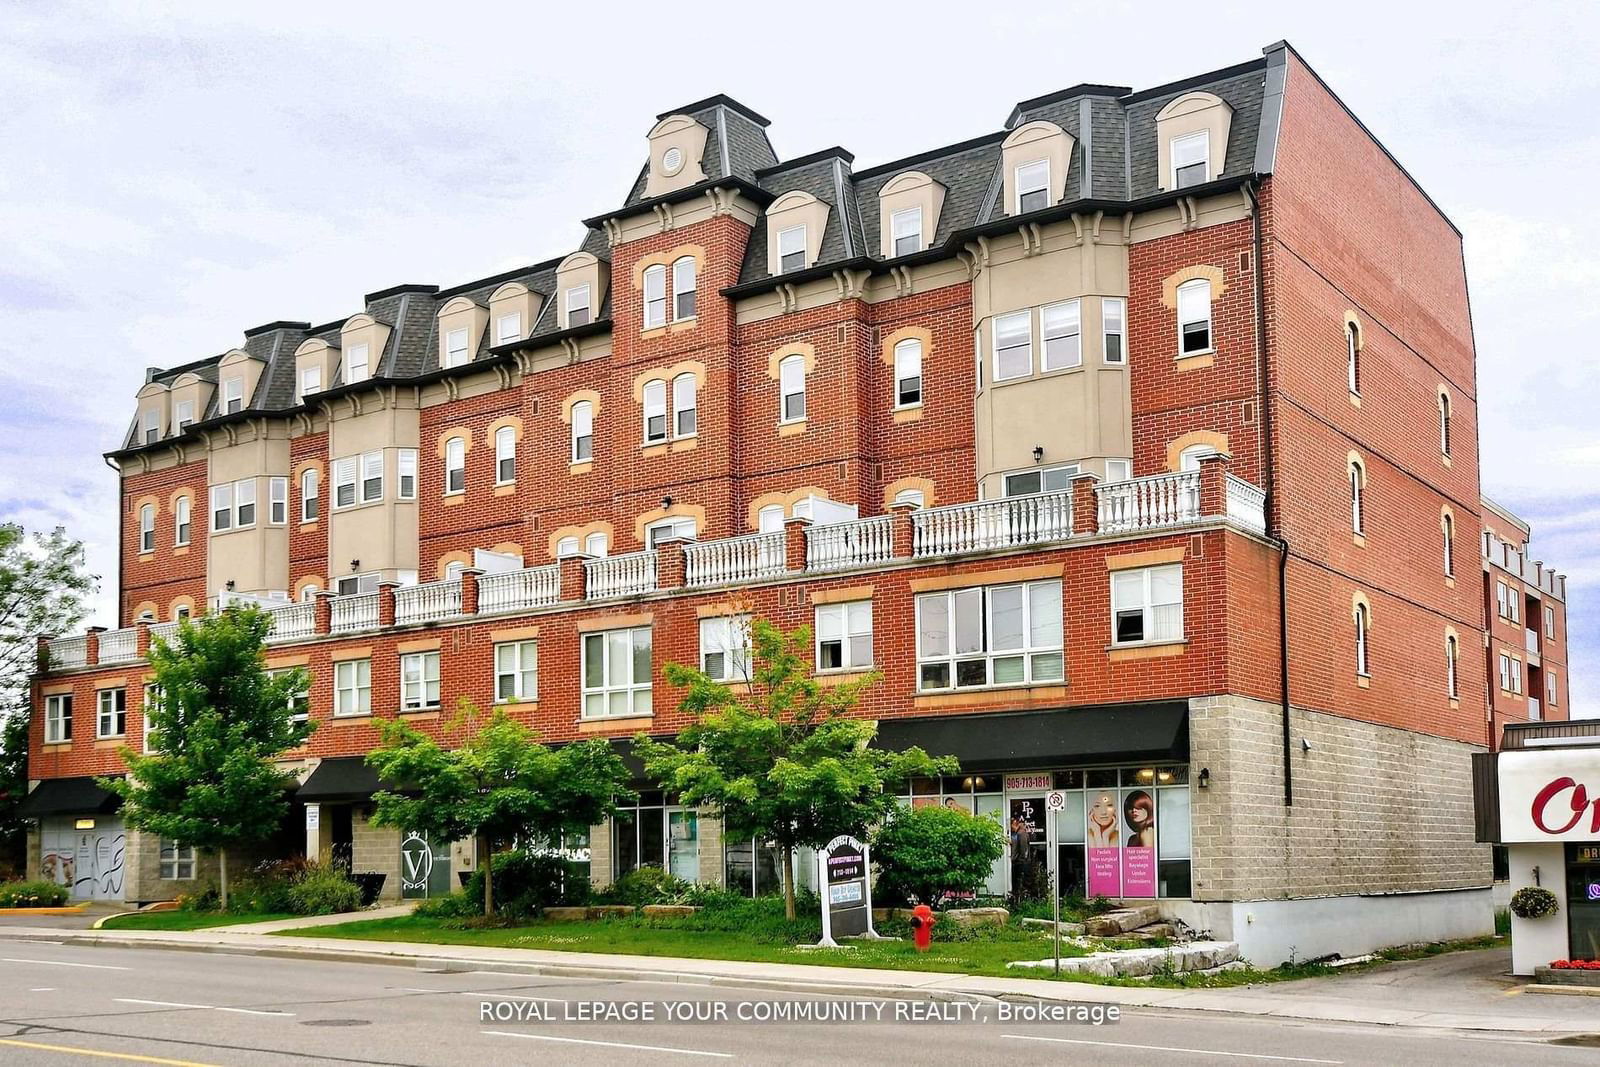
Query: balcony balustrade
x,y
737,559
616,576
848,545
353,612
989,525
534,587
427,602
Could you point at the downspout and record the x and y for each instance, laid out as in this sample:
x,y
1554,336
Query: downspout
x,y
1274,527
121,518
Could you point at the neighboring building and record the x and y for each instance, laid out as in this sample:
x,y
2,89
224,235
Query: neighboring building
x,y
1043,425
1525,616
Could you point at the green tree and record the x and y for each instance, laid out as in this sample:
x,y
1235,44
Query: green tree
x,y
43,585
498,784
781,759
218,723
926,854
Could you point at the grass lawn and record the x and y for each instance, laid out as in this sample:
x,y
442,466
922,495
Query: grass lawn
x,y
185,920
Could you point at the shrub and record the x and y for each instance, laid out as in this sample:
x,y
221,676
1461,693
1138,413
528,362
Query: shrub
x,y
33,895
206,898
647,885
926,854
322,891
1530,902
525,883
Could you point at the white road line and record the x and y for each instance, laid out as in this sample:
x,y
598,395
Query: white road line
x,y
63,963
610,1044
203,1007
43,989
1165,1048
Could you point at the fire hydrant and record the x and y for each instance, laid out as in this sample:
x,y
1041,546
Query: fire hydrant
x,y
922,921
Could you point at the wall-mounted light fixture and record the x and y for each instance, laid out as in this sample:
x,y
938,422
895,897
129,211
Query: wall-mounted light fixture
x,y
355,564
1205,777
1038,453
228,585
666,502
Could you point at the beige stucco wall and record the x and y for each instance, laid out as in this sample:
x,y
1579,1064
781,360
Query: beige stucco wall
x,y
1192,113
256,558
382,535
688,136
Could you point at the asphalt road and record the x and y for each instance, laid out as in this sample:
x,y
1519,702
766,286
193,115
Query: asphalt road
x,y
63,1004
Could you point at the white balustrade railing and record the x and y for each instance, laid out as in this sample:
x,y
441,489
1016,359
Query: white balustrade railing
x,y
119,646
736,559
162,631
355,611
292,622
510,590
620,575
1149,503
1247,504
427,602
992,524
841,546
69,652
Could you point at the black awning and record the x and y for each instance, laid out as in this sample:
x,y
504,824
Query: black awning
x,y
1013,740
340,778
68,796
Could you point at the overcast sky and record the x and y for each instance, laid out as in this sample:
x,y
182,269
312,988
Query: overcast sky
x,y
172,175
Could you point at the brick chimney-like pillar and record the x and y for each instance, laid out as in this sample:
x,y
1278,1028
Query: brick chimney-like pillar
x,y
573,576
324,610
794,543
1213,485
672,563
141,640
386,603
91,646
904,529
469,590
1085,505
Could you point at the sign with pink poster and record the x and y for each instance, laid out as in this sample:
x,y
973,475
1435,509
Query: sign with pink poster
x,y
1104,839
1138,844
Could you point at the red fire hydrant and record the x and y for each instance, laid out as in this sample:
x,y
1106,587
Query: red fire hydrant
x,y
922,921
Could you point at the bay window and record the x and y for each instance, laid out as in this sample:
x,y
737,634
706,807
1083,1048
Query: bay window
x,y
1013,345
344,481
1061,326
1113,329
371,477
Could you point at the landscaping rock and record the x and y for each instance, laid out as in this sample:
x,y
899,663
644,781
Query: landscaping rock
x,y
978,916
611,911
1067,929
1159,930
1122,921
1142,962
566,915
668,911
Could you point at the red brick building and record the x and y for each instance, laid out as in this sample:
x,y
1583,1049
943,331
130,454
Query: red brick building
x,y
1045,426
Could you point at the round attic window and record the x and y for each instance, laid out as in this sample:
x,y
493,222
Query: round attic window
x,y
672,161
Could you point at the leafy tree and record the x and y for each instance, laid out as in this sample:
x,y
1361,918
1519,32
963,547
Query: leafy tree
x,y
497,784
42,590
781,759
930,853
218,724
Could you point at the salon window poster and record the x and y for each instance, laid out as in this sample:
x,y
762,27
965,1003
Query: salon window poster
x,y
1138,843
1103,836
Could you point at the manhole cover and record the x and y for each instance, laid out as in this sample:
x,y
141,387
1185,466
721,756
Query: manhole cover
x,y
337,1022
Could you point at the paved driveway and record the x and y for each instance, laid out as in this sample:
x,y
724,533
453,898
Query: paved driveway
x,y
82,920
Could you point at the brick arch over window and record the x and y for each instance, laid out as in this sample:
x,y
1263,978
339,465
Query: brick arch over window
x,y
1214,275
582,533
667,259
513,421
506,548
1353,461
309,581
443,566
454,431
1178,445
593,399
807,354
697,512
905,333
688,366
152,500
181,602
1358,599
900,485
177,495
147,607
784,500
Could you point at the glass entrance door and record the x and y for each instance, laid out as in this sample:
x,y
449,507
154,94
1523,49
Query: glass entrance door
x,y
1028,845
683,844
1583,902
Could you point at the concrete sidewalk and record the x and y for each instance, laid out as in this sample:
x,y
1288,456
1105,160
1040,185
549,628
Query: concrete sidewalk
x,y
1336,999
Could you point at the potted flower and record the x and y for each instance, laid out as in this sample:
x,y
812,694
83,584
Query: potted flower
x,y
1531,902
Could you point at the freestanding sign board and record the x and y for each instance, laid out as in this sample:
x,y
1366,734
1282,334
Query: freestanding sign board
x,y
845,884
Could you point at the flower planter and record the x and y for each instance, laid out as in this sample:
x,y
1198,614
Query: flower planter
x,y
1572,976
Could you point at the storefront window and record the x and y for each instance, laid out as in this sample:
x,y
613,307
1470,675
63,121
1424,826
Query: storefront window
x,y
656,833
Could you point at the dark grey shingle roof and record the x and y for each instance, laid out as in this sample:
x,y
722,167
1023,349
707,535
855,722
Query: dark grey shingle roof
x,y
1241,92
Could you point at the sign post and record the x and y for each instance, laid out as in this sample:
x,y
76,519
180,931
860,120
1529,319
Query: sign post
x,y
1055,802
845,884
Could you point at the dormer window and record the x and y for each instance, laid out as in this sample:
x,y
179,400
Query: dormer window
x,y
578,311
232,395
455,348
310,382
1191,159
152,426
907,228
508,328
356,364
792,249
185,414
1033,186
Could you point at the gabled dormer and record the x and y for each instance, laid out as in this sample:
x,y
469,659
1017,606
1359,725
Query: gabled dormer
x,y
1192,140
581,282
908,213
513,309
361,343
191,398
677,147
315,362
796,222
461,323
153,418
1034,160
238,374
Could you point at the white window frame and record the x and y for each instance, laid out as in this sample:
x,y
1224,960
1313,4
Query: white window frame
x,y
770,519
577,304
357,583
1119,470
358,363
352,688
455,466
1358,499
596,545
981,598
788,238
182,521
636,694
582,432
568,546
516,672
147,528
791,384
685,406
1181,147
1197,289
57,718
277,501
1067,331
244,503
1352,341
1145,605
1552,689
310,495
914,497
1444,424
905,225
655,296
300,699
183,417
111,709
455,348
1448,535
176,861
222,508
346,475
907,367
419,681
1030,178
1452,679
1026,347
727,637
684,298
232,395
1363,624
654,401
508,328
846,626
1055,479
152,426
677,526
505,456
310,382
372,476
1114,325
152,697
1549,622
